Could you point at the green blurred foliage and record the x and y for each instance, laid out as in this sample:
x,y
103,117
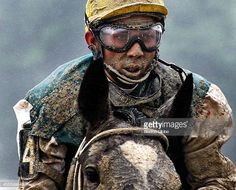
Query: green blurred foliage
x,y
36,36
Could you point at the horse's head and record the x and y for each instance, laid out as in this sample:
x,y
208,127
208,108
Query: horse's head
x,y
116,155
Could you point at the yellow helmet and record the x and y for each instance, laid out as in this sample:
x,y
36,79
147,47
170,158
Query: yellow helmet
x,y
104,9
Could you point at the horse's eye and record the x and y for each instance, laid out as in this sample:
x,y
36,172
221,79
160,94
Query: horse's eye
x,y
92,174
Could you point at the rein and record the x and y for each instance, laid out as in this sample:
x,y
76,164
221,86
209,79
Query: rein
x,y
77,178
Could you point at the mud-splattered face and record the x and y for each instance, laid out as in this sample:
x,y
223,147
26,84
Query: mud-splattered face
x,y
128,163
135,62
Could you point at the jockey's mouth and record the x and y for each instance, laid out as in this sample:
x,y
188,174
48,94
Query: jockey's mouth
x,y
133,72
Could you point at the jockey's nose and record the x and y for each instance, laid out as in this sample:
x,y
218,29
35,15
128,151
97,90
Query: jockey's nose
x,y
135,51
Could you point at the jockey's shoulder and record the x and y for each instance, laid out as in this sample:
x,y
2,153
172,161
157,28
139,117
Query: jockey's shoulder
x,y
70,72
171,81
206,95
209,101
54,100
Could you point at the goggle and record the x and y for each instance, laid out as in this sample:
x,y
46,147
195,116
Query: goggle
x,y
120,38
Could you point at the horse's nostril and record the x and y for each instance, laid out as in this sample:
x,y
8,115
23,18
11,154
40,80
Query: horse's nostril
x,y
129,187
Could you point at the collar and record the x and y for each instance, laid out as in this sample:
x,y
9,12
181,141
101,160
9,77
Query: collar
x,y
120,98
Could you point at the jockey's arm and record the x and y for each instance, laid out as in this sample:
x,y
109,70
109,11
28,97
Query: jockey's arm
x,y
42,161
208,168
51,167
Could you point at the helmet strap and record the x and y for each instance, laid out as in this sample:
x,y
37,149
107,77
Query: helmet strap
x,y
155,61
95,51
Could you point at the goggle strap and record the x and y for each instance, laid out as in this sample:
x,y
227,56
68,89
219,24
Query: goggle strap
x,y
86,19
176,68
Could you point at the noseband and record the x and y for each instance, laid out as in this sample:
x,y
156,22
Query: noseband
x,y
77,178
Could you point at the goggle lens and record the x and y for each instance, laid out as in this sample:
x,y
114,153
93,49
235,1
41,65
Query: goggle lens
x,y
116,37
121,38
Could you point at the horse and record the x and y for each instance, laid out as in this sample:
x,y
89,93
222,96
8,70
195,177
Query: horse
x,y
118,155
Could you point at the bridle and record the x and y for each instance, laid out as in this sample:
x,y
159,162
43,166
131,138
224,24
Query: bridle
x,y
77,178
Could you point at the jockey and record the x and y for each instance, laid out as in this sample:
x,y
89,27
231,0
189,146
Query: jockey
x,y
126,35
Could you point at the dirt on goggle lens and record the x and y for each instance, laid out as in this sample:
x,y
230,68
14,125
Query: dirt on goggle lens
x,y
121,38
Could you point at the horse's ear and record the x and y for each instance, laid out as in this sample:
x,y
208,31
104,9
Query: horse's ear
x,y
182,101
93,95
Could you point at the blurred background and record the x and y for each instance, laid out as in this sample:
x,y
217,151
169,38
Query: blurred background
x,y
38,36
